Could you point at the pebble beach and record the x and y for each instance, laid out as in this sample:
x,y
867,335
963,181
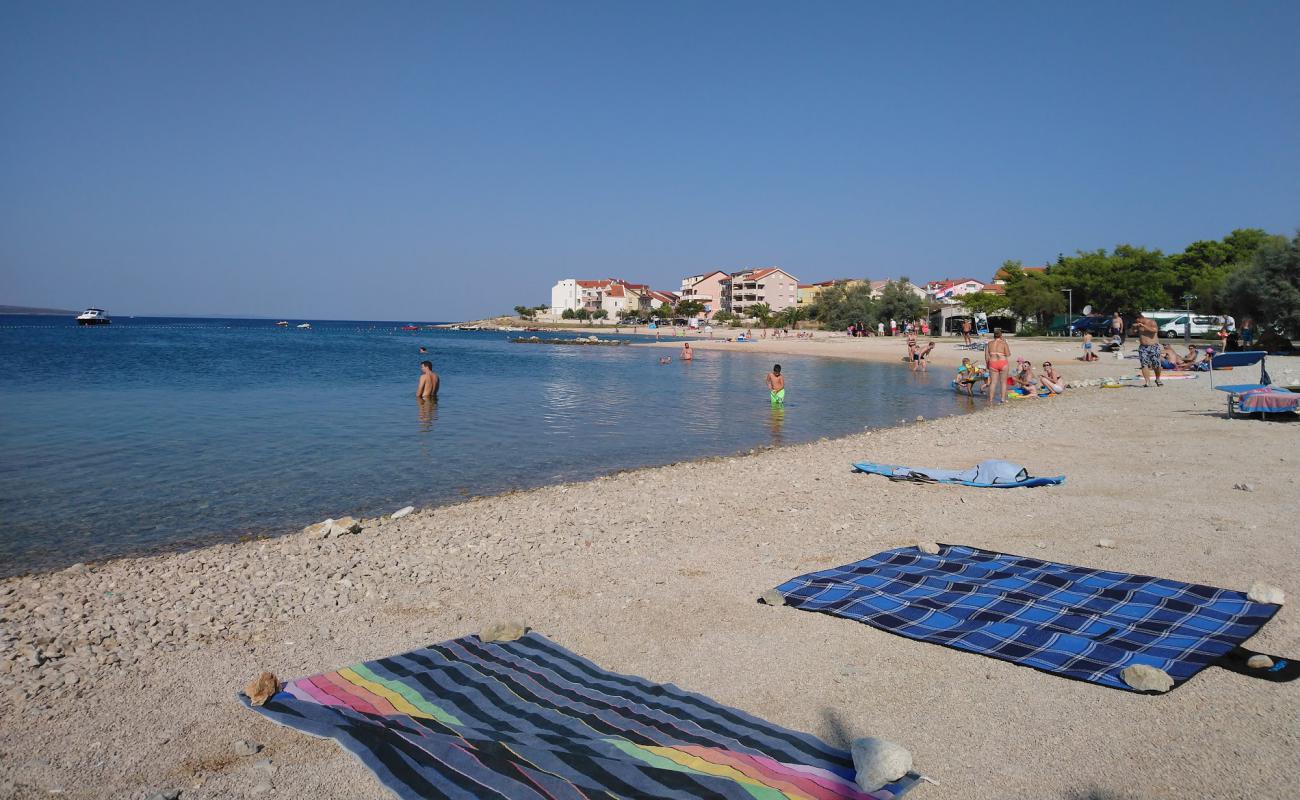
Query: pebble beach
x,y
119,678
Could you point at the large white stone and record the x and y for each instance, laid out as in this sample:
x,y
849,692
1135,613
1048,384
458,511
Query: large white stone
x,y
401,512
1146,678
1262,592
879,761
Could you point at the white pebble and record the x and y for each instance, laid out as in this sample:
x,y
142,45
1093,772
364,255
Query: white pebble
x,y
1262,592
1146,678
878,762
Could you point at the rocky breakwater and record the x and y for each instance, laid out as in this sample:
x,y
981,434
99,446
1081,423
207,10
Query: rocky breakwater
x,y
590,340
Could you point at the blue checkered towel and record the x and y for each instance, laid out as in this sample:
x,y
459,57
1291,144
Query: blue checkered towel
x,y
1077,622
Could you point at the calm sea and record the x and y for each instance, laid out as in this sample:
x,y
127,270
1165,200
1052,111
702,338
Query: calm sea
x,y
160,433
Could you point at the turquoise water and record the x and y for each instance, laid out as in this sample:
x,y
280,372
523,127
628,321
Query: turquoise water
x,y
160,433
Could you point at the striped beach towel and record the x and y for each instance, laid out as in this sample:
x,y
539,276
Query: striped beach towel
x,y
1076,622
529,719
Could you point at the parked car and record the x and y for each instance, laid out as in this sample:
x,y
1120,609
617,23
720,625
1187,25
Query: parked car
x,y
1096,324
1201,326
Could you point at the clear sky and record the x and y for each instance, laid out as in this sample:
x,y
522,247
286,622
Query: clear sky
x,y
431,160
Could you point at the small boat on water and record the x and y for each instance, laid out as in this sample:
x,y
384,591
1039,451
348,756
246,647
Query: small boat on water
x,y
282,324
94,316
410,327
305,325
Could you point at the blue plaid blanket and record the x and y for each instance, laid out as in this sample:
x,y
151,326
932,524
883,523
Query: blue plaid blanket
x,y
1087,624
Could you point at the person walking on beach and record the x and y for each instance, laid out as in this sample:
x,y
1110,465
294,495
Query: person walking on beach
x,y
1148,348
997,358
776,385
893,327
965,332
1117,327
687,355
427,388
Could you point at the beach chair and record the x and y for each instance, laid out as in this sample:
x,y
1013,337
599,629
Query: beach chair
x,y
1252,398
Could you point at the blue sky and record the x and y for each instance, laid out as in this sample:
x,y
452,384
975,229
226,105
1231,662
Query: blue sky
x,y
431,160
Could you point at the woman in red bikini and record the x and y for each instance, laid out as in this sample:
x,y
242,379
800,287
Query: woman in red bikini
x,y
997,357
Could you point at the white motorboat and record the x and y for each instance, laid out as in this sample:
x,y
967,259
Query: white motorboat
x,y
282,324
305,325
94,316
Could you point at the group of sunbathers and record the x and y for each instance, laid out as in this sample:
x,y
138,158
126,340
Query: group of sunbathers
x,y
972,377
1195,360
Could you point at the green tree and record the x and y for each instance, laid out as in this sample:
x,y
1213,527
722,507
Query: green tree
x,y
1268,289
568,313
761,312
724,316
662,312
1203,268
526,312
789,318
629,313
840,305
1031,295
898,301
690,308
984,302
1128,279
582,313
600,313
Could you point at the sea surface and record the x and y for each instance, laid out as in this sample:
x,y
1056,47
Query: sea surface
x,y
161,433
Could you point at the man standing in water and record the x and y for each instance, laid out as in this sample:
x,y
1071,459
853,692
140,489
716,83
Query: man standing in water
x,y
427,389
997,358
776,385
687,355
1148,349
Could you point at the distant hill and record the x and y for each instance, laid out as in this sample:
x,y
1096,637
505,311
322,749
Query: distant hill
x,y
33,311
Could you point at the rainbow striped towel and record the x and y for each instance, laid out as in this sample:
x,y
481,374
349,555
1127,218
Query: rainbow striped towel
x,y
529,719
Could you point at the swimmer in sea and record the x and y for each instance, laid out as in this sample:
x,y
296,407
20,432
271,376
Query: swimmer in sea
x,y
997,358
427,389
686,351
776,385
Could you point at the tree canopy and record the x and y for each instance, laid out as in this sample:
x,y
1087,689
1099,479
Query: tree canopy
x,y
899,301
1268,289
840,305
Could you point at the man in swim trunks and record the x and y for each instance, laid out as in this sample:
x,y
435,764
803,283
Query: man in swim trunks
x,y
686,351
776,385
1148,348
427,389
965,332
913,354
997,358
923,356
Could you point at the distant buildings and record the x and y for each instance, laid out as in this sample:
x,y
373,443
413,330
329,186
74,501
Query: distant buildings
x,y
949,288
612,295
772,286
739,292
712,290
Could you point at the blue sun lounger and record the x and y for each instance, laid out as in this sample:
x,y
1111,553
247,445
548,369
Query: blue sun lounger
x,y
1251,398
991,474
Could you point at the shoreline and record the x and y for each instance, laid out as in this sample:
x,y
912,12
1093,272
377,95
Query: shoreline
x,y
632,584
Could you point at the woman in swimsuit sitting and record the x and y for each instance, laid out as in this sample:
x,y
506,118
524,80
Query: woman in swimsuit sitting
x,y
997,357
1052,380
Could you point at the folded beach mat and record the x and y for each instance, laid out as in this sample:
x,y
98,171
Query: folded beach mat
x,y
991,474
1076,622
1267,400
529,719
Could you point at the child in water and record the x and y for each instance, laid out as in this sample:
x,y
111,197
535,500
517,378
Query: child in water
x,y
968,375
776,385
